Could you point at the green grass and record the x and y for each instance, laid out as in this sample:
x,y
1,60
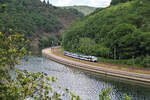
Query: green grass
x,y
110,61
125,62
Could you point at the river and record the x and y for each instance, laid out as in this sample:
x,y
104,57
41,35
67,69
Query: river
x,y
85,84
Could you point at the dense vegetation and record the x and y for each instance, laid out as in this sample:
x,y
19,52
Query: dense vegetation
x,y
35,19
83,9
27,85
49,42
121,31
114,2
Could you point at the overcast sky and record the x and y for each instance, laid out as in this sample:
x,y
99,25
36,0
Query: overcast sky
x,y
93,3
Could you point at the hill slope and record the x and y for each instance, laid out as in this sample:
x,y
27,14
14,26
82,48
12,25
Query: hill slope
x,y
35,19
122,30
83,9
114,2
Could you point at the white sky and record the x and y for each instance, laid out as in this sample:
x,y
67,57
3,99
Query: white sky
x,y
93,3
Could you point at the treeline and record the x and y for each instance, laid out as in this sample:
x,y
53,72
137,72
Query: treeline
x,y
35,19
121,31
46,42
83,9
114,2
32,17
27,85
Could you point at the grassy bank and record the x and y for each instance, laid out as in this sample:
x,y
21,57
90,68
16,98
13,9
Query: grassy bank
x,y
139,62
123,65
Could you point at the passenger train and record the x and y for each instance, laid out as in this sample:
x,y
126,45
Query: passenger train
x,y
81,57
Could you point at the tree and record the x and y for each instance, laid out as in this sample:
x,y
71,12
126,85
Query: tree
x,y
104,94
125,37
114,2
12,49
26,85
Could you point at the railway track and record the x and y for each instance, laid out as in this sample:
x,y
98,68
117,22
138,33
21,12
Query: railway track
x,y
140,78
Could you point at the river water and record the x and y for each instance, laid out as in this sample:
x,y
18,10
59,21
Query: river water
x,y
85,84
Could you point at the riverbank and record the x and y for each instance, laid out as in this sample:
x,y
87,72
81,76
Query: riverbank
x,y
115,71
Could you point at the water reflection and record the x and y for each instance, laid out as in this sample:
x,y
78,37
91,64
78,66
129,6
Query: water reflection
x,y
87,85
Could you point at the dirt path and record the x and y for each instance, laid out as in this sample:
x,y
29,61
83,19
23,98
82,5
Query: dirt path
x,y
140,75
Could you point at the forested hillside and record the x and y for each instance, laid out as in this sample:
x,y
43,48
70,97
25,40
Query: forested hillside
x,y
83,9
21,84
120,31
114,2
35,19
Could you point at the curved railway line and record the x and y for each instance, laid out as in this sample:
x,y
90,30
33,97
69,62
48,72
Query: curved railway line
x,y
139,78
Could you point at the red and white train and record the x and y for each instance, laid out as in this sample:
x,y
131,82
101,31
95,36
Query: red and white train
x,y
81,57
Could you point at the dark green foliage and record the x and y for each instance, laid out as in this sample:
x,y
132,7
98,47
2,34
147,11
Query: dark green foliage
x,y
114,2
35,19
32,17
27,17
124,27
83,9
26,85
49,42
128,42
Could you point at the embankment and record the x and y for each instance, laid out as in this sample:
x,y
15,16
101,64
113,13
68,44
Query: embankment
x,y
139,78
